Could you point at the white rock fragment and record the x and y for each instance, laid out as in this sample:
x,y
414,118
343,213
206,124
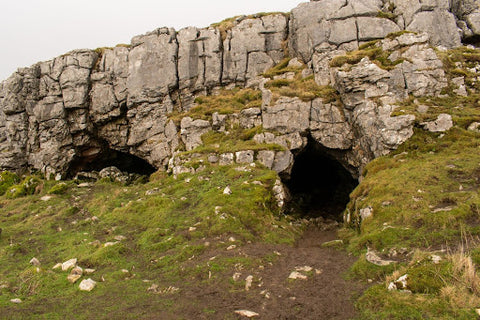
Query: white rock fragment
x,y
46,198
77,271
231,247
87,285
72,278
34,262
227,190
191,229
109,244
297,275
399,284
443,123
248,282
69,264
16,300
58,265
236,276
247,313
304,268
366,213
89,271
120,238
372,257
435,258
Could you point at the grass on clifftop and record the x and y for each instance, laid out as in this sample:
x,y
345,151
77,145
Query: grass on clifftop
x,y
224,102
133,239
426,202
296,85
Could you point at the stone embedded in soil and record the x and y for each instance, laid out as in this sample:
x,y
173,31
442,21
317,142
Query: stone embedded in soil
x,y
227,191
72,278
109,244
247,313
69,264
297,275
16,300
77,271
304,268
248,282
87,285
372,257
236,276
34,261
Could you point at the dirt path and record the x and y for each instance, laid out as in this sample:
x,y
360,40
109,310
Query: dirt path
x,y
324,294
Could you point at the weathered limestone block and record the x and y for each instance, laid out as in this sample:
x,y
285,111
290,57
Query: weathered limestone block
x,y
114,64
309,26
473,22
291,141
252,47
287,115
49,108
443,123
371,28
321,64
343,31
152,70
440,25
245,156
226,159
329,126
266,157
283,162
364,80
104,105
192,131
250,118
199,58
378,132
115,133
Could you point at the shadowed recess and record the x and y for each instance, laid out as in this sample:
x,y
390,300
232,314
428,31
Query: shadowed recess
x,y
96,161
319,185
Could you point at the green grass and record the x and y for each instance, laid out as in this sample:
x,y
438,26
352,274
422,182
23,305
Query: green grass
x,y
304,88
225,102
425,197
159,240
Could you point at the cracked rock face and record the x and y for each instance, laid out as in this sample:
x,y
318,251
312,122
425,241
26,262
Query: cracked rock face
x,y
76,107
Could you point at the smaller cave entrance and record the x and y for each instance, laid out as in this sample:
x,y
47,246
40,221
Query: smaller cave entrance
x,y
95,160
319,186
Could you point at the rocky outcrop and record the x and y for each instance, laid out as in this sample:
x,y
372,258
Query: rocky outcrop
x,y
62,115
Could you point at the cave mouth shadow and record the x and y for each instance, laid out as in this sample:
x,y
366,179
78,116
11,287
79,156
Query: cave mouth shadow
x,y
107,157
318,186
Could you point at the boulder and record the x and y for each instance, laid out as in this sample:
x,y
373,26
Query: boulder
x,y
441,124
192,131
87,285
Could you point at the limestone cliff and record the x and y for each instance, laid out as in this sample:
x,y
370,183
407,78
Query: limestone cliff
x,y
60,115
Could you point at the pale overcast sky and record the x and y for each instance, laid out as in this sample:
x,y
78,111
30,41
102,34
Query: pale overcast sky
x,y
38,30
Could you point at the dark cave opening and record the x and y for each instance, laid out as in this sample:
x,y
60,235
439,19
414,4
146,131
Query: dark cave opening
x,y
319,186
95,160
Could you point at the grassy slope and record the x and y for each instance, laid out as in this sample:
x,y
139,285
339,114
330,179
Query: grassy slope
x,y
158,247
425,200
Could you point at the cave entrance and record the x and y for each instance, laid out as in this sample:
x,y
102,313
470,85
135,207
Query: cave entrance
x,y
96,160
319,186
